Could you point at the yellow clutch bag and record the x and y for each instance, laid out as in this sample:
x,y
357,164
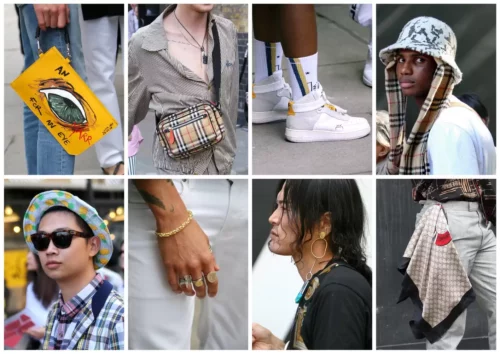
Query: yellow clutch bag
x,y
62,101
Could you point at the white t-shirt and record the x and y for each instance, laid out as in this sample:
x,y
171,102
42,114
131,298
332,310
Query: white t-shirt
x,y
460,144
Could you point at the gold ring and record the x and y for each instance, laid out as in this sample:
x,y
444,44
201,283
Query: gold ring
x,y
211,277
199,282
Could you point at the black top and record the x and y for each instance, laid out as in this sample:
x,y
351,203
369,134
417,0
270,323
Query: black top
x,y
95,11
335,311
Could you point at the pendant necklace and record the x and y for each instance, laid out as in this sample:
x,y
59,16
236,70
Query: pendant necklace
x,y
309,275
204,55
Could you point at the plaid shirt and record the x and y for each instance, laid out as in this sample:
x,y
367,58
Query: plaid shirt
x,y
71,325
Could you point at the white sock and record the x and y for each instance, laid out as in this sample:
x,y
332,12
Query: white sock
x,y
267,58
303,74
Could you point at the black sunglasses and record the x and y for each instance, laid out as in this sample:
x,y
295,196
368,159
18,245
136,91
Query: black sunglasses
x,y
61,239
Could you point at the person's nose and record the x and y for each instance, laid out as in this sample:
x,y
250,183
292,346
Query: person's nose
x,y
274,218
52,249
406,68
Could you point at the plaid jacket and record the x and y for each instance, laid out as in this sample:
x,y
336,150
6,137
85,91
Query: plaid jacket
x,y
106,332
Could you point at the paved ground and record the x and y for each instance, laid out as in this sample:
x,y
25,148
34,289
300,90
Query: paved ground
x,y
342,54
15,161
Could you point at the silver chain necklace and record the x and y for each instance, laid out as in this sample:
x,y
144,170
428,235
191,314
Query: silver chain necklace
x,y
204,56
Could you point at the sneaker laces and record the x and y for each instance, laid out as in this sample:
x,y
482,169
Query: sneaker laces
x,y
328,104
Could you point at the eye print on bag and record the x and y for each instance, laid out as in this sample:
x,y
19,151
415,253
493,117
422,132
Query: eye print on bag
x,y
70,109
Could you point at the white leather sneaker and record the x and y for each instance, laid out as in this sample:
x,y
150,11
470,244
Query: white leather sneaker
x,y
314,118
270,99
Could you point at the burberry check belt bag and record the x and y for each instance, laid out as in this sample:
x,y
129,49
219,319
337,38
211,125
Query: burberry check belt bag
x,y
196,128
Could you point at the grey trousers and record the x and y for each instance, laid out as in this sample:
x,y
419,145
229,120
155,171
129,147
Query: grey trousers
x,y
475,242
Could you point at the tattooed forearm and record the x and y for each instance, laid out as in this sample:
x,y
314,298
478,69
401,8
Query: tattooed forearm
x,y
172,184
151,199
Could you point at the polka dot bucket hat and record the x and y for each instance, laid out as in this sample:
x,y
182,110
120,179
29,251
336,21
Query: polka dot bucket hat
x,y
46,200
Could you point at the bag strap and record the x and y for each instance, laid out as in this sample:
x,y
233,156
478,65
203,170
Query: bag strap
x,y
66,39
100,297
216,58
244,65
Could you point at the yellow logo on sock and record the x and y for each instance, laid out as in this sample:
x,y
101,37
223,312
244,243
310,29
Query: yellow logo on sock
x,y
253,93
291,112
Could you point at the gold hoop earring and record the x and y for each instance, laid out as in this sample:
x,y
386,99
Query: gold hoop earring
x,y
321,238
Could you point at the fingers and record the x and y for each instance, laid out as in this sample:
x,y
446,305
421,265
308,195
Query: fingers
x,y
62,17
211,279
173,280
46,16
258,331
187,286
53,16
40,17
199,282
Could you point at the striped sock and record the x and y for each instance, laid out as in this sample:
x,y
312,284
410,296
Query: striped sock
x,y
303,74
267,58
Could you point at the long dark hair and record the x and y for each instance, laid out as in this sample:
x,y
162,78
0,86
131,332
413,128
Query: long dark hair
x,y
307,200
45,288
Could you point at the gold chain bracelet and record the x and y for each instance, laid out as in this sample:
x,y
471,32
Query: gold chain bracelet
x,y
179,229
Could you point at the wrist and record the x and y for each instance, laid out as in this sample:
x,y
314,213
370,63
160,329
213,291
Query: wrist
x,y
171,222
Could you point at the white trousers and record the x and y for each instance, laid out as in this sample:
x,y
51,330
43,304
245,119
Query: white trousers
x,y
99,44
159,318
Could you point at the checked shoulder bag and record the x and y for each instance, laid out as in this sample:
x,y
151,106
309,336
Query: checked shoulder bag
x,y
198,127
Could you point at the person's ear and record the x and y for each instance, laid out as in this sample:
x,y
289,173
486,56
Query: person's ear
x,y
94,246
325,224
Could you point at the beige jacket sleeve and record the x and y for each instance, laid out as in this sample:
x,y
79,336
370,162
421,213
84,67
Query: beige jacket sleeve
x,y
138,95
